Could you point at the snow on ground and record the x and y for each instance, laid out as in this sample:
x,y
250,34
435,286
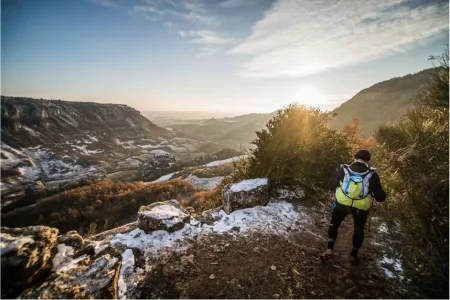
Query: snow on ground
x,y
9,243
247,185
62,255
158,152
30,131
131,122
277,217
127,265
164,177
83,150
205,183
224,161
393,263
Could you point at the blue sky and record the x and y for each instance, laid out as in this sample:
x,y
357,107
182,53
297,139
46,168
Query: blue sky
x,y
204,55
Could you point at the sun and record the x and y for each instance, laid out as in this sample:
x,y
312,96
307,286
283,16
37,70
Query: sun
x,y
309,95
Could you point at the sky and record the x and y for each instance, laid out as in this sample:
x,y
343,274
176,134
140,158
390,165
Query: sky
x,y
237,56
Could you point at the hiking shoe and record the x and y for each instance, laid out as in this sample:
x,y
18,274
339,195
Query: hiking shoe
x,y
353,260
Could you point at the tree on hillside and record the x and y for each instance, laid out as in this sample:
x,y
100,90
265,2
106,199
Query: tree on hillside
x,y
296,148
415,165
352,133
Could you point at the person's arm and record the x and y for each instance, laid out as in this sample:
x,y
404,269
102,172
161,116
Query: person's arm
x,y
375,188
335,180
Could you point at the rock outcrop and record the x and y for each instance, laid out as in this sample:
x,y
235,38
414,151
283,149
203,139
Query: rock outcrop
x,y
245,194
167,215
26,254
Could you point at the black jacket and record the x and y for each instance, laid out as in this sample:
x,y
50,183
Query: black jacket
x,y
375,188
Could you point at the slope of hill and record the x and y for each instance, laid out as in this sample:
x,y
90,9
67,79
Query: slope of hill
x,y
384,102
60,142
236,132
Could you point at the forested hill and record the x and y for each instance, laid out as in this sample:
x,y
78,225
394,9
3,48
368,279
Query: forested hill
x,y
384,102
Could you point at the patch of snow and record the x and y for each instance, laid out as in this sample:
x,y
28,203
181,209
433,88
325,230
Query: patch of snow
x,y
205,183
165,177
158,152
93,138
247,185
395,264
164,211
83,150
224,161
131,122
127,263
31,173
71,264
61,256
30,131
383,228
9,243
277,217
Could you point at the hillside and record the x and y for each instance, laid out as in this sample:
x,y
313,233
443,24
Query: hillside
x,y
52,145
235,132
384,102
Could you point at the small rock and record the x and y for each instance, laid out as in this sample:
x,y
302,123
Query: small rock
x,y
212,276
349,281
187,259
349,292
214,263
276,296
273,268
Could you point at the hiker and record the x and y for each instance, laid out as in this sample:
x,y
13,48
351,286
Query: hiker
x,y
352,188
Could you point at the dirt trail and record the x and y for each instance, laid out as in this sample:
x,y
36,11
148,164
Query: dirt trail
x,y
272,266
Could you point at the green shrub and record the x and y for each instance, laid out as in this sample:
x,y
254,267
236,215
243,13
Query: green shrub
x,y
414,162
296,148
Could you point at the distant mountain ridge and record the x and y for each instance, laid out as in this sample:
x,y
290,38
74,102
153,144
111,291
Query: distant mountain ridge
x,y
384,102
54,145
234,132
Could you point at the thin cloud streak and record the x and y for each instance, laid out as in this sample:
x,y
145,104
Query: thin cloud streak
x,y
299,37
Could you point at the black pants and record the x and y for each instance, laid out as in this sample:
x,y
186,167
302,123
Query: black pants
x,y
338,214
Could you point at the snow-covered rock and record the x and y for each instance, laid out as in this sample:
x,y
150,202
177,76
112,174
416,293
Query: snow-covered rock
x,y
26,253
162,216
244,194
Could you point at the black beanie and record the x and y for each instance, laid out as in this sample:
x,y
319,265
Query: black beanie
x,y
363,154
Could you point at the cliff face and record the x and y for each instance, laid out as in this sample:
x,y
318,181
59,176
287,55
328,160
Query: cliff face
x,y
30,122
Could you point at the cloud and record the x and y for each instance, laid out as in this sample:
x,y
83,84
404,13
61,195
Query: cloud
x,y
236,3
300,37
207,37
206,51
185,10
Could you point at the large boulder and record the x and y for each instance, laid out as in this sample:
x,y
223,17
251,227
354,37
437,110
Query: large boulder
x,y
245,194
167,215
26,254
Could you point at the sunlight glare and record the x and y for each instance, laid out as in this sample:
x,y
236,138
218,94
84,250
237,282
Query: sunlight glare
x,y
310,96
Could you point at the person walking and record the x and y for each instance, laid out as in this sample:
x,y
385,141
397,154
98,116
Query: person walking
x,y
353,187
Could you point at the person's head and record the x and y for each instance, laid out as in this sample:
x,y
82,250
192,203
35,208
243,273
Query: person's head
x,y
363,155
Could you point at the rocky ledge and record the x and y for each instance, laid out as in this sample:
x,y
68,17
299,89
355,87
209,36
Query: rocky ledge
x,y
114,264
